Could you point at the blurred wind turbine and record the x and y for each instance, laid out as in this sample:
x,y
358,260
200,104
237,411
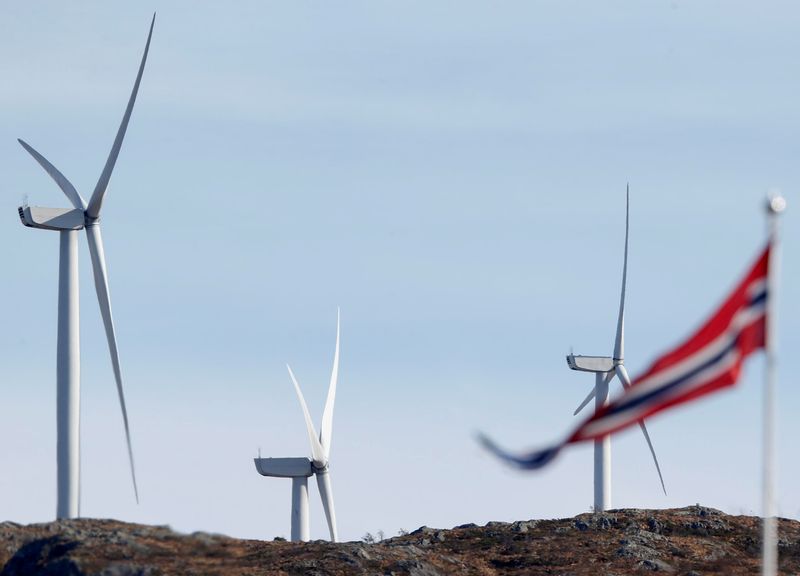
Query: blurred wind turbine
x,y
68,222
605,369
299,469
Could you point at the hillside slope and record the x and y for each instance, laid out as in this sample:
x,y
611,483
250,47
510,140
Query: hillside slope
x,y
691,541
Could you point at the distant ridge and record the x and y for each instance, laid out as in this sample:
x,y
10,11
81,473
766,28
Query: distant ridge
x,y
690,541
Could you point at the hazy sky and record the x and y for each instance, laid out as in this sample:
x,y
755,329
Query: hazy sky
x,y
452,174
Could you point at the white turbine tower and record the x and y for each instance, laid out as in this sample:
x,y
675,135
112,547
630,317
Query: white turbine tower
x,y
68,222
605,369
299,469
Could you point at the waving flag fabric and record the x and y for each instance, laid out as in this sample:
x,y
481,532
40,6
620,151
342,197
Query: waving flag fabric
x,y
709,360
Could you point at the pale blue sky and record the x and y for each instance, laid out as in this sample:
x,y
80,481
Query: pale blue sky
x,y
452,175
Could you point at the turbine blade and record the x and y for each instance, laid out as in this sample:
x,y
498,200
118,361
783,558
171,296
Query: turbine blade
x,y
326,432
622,374
326,495
653,452
317,452
96,201
619,344
97,253
65,185
586,400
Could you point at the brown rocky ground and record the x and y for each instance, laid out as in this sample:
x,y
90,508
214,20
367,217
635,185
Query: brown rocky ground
x,y
688,541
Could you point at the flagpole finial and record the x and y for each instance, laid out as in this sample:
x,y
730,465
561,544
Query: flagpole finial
x,y
776,203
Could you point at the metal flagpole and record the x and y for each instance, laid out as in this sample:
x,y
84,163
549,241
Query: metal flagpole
x,y
769,563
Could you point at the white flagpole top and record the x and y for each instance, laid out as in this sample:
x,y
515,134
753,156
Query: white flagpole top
x,y
776,203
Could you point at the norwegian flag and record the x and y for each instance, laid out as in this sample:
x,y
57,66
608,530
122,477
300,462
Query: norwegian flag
x,y
710,360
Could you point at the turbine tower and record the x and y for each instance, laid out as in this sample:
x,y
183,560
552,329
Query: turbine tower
x,y
300,469
605,369
68,222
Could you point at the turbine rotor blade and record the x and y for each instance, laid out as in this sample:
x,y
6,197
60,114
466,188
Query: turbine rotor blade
x,y
66,186
97,253
326,495
326,430
96,201
622,374
317,452
586,400
653,452
619,343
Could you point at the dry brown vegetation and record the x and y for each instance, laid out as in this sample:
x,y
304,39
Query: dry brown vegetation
x,y
689,541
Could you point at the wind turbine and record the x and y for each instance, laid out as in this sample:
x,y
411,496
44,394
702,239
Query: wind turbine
x,y
68,222
300,469
605,369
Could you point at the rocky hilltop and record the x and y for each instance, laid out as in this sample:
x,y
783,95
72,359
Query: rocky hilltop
x,y
689,541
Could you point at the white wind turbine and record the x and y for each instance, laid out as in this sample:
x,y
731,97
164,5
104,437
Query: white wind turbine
x,y
68,222
299,469
605,369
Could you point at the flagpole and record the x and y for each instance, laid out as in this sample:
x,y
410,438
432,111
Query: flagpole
x,y
769,564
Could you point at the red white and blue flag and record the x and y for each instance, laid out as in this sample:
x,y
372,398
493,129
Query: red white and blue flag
x,y
709,360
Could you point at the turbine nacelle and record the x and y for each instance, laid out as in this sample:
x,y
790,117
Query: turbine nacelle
x,y
284,467
52,218
596,364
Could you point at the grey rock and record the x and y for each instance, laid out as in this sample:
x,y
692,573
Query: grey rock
x,y
581,525
630,550
521,527
645,538
637,549
707,527
656,566
361,552
697,510
413,550
208,538
654,525
348,559
414,568
605,522
8,524
45,556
